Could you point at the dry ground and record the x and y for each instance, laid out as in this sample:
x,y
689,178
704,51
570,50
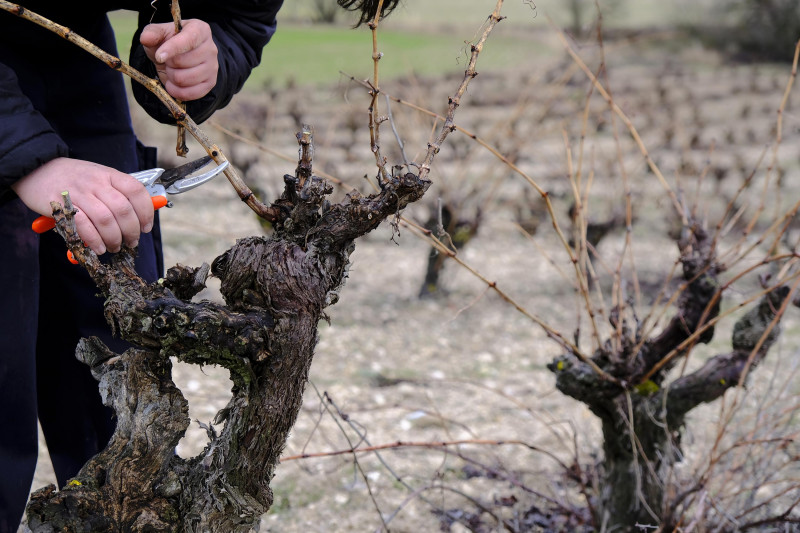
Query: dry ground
x,y
469,366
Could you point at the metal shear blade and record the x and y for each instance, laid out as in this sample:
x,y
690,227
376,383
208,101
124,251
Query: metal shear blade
x,y
178,180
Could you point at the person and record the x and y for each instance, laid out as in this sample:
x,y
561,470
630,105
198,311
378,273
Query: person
x,y
65,125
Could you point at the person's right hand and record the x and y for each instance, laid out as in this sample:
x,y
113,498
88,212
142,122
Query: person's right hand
x,y
113,208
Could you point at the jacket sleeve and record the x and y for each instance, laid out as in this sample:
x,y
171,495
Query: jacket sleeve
x,y
240,28
27,141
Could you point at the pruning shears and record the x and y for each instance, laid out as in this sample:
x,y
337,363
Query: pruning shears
x,y
159,183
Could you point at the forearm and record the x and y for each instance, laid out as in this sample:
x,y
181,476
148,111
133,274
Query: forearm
x,y
27,140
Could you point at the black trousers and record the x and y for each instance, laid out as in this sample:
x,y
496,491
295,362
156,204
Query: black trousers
x,y
47,305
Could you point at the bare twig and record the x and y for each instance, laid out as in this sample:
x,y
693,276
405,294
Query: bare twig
x,y
327,401
455,100
432,445
180,146
374,120
621,114
554,334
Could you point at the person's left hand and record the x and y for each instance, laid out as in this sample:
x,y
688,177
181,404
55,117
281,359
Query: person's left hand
x,y
186,62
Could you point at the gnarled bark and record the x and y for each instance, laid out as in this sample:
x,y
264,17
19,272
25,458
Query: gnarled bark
x,y
643,418
275,290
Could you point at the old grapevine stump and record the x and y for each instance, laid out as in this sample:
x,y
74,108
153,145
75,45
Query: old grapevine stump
x,y
275,290
644,414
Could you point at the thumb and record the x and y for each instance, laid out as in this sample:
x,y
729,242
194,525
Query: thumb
x,y
153,35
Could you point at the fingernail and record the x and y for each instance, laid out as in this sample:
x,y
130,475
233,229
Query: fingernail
x,y
134,244
147,228
162,57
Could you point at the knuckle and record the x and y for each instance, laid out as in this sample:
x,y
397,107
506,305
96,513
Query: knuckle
x,y
124,210
105,219
122,183
134,189
182,93
181,78
128,186
199,26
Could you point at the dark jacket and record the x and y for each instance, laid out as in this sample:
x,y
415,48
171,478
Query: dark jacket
x,y
57,100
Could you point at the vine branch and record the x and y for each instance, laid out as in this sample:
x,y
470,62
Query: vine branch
x,y
180,146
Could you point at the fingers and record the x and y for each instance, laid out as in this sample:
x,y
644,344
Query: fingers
x,y
124,212
114,215
113,207
190,83
139,200
153,35
88,230
186,62
194,35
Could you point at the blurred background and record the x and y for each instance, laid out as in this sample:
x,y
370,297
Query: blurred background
x,y
315,41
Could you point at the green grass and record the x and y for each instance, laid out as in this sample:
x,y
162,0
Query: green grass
x,y
124,23
316,54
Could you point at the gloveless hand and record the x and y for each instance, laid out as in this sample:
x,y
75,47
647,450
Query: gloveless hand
x,y
186,62
113,207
